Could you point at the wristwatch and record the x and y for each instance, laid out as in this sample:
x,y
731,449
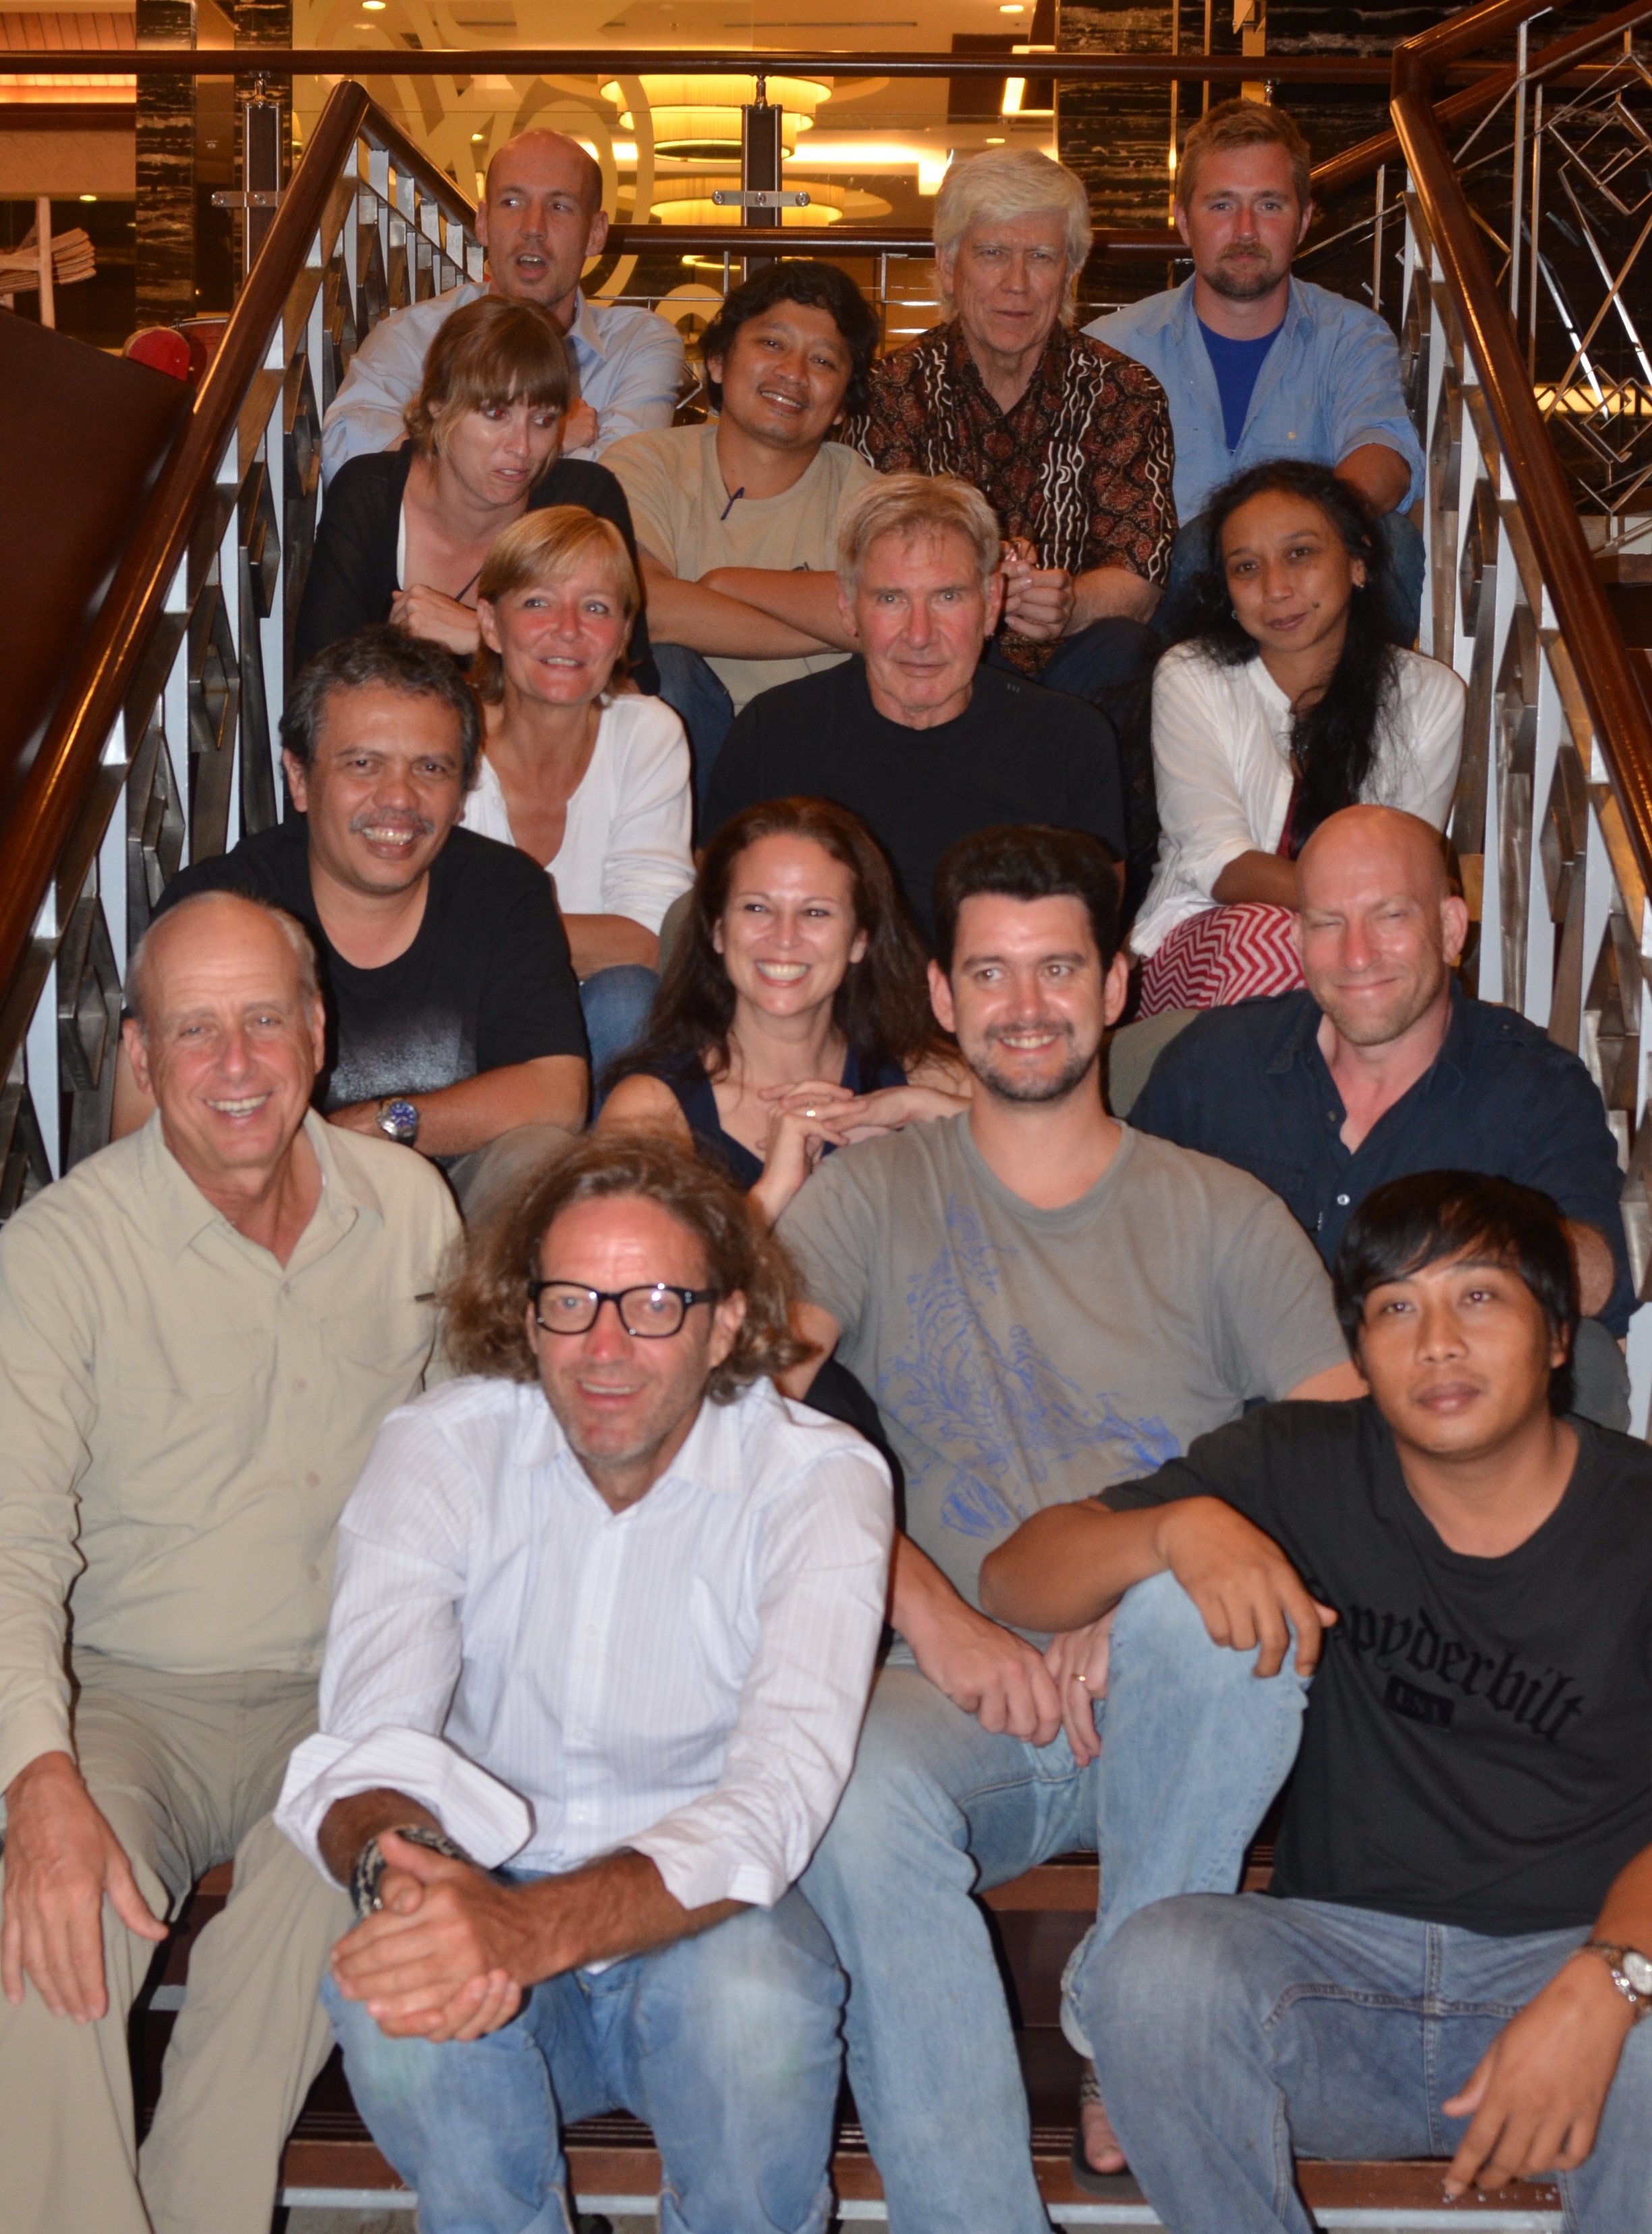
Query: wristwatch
x,y
398,1120
1631,1974
370,1864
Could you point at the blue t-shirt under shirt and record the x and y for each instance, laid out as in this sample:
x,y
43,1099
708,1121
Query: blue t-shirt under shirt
x,y
1236,365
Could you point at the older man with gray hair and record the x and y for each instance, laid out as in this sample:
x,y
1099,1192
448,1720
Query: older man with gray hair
x,y
916,735
1069,439
200,1331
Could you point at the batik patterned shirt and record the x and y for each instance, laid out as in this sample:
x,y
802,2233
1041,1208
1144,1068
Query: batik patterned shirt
x,y
1083,465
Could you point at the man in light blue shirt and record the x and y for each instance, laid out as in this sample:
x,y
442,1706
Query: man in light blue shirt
x,y
541,217
1258,365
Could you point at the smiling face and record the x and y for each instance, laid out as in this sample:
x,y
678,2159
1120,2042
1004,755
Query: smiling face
x,y
558,640
382,788
1009,280
499,452
627,1404
920,615
1028,995
541,218
784,376
230,1044
789,934
1288,575
1458,1357
1381,929
1242,219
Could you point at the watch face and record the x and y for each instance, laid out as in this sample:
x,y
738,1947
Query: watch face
x,y
400,1120
1637,1969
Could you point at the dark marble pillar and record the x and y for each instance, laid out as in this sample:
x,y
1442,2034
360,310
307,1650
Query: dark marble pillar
x,y
165,209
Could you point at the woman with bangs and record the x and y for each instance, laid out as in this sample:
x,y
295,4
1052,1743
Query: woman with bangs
x,y
403,532
590,780
794,1016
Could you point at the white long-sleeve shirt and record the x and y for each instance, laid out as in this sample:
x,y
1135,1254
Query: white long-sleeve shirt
x,y
554,1680
629,364
1222,765
625,844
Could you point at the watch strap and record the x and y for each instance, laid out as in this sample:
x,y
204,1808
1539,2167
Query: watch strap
x,y
1612,1956
370,1864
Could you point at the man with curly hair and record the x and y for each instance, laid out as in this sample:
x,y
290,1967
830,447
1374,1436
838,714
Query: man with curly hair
x,y
606,1611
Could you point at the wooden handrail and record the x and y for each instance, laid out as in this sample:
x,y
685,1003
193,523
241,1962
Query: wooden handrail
x,y
1361,160
55,788
1617,706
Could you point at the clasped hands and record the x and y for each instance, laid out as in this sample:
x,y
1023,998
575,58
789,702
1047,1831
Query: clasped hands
x,y
1038,600
447,1954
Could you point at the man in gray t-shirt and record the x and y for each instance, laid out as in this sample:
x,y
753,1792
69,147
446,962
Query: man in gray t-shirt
x,y
1043,1302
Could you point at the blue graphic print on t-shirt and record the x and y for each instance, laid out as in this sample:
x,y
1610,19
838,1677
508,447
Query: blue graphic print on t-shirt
x,y
998,1410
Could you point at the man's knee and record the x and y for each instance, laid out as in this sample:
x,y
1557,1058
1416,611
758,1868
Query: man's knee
x,y
758,1999
1160,1975
1158,1635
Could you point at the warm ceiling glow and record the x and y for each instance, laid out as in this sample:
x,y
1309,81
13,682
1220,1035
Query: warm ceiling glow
x,y
1014,93
699,117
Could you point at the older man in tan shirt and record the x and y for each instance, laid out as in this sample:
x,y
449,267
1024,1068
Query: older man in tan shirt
x,y
200,1331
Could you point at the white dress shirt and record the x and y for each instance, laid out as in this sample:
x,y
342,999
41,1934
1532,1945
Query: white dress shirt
x,y
628,364
624,846
555,1681
1222,765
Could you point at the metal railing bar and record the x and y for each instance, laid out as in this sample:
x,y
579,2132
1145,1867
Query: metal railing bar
x,y
1616,704
612,62
59,784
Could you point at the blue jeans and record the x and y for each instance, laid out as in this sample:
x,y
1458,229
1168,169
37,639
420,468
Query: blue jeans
x,y
938,1809
1407,561
728,2046
691,686
615,1003
1230,2034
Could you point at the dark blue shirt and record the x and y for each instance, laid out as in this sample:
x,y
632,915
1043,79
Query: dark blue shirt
x,y
1248,1084
1236,365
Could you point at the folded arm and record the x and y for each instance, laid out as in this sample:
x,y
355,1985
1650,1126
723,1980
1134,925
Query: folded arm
x,y
804,599
552,1089
708,620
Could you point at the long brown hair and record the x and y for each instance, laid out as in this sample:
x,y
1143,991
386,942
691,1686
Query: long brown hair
x,y
882,1008
484,1329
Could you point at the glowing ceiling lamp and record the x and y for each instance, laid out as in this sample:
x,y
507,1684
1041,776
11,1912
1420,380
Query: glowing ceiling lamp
x,y
698,118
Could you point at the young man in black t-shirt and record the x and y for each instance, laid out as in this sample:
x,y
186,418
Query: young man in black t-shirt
x,y
1458,1944
916,736
453,1014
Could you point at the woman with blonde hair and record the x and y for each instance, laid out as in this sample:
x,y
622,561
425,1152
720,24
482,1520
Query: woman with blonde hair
x,y
593,783
404,533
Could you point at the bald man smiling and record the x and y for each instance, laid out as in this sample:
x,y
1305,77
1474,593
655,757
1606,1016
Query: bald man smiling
x,y
1384,1066
540,219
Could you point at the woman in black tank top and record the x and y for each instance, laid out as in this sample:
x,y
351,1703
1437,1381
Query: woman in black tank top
x,y
793,1014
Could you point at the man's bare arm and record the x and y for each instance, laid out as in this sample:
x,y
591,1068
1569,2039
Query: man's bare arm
x,y
1536,2096
552,1089
1591,1254
802,598
706,621
1112,593
1338,1384
1381,476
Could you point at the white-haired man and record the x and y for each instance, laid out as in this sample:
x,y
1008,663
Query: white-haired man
x,y
1069,439
916,736
540,218
200,1329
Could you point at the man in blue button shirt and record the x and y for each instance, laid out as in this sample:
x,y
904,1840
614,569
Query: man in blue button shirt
x,y
1384,1066
1258,365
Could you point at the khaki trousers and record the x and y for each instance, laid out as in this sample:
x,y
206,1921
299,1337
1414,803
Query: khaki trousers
x,y
186,1769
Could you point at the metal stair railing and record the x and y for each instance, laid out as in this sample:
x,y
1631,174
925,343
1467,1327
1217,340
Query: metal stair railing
x,y
165,745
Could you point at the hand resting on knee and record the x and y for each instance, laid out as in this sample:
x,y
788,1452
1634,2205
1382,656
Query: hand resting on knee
x,y
61,1860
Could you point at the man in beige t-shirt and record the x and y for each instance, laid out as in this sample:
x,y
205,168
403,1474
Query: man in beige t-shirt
x,y
736,521
200,1331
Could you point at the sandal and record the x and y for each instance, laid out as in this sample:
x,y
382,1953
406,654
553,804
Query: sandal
x,y
1118,2186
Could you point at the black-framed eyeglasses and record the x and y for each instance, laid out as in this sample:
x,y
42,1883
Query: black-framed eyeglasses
x,y
652,1312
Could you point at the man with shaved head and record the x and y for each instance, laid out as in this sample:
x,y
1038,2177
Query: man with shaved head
x,y
1384,1066
540,219
200,1331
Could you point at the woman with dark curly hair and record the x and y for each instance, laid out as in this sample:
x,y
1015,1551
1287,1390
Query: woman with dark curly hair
x,y
794,1015
1288,700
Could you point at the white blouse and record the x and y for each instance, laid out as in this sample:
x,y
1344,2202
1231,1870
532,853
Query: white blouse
x,y
625,847
1222,765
